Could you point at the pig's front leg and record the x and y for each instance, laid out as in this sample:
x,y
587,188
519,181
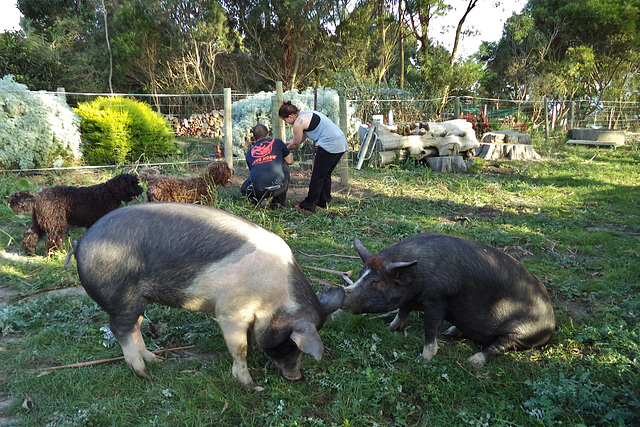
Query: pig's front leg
x,y
400,320
433,318
235,335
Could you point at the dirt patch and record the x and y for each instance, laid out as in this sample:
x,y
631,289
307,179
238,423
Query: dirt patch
x,y
299,184
7,294
576,310
499,170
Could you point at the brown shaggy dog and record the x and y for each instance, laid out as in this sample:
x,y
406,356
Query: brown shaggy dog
x,y
163,188
56,208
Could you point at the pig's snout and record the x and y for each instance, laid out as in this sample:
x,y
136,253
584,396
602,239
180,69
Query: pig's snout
x,y
348,303
294,375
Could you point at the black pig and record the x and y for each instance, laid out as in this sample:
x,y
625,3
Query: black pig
x,y
203,259
486,294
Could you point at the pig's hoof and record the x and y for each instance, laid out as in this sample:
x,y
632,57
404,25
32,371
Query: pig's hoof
x,y
477,360
150,357
452,332
429,351
258,388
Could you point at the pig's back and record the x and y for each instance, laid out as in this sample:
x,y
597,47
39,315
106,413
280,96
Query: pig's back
x,y
163,249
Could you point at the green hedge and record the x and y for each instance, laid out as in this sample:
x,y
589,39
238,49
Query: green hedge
x,y
118,130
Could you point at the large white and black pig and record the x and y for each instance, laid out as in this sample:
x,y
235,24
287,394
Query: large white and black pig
x,y
487,295
203,259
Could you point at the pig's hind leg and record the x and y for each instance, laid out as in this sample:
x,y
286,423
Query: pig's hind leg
x,y
500,345
127,333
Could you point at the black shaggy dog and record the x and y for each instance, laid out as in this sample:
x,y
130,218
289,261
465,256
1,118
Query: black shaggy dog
x,y
56,208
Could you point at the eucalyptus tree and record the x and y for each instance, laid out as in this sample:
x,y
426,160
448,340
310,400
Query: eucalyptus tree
x,y
568,49
287,38
171,45
367,43
70,40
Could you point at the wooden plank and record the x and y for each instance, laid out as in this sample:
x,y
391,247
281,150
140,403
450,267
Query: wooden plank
x,y
588,142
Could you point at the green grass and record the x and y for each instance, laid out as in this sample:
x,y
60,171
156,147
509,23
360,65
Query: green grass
x,y
572,219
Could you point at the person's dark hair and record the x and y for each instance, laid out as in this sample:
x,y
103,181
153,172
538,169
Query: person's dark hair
x,y
286,109
259,131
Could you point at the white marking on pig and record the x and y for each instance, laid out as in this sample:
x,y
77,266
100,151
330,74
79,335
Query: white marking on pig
x,y
477,360
361,279
429,351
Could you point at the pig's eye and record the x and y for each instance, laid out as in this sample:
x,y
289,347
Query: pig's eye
x,y
379,285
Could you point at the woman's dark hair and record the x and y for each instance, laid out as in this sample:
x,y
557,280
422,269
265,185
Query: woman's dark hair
x,y
286,109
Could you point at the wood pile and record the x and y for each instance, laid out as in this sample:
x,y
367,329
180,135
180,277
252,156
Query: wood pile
x,y
506,144
207,125
453,142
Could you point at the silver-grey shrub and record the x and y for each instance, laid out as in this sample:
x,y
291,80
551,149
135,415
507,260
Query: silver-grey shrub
x,y
37,129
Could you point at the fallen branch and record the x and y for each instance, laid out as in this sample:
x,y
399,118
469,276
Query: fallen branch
x,y
334,255
97,362
40,291
344,274
325,282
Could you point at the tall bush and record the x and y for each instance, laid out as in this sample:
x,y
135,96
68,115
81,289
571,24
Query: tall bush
x,y
37,129
117,130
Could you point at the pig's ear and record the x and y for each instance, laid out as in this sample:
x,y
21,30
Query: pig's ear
x,y
308,340
332,299
401,269
364,253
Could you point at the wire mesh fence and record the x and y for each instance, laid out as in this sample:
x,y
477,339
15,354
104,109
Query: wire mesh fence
x,y
498,114
398,107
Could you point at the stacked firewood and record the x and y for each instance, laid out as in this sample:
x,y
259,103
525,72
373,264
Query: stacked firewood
x,y
207,125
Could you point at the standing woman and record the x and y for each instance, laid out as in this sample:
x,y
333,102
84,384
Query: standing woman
x,y
330,144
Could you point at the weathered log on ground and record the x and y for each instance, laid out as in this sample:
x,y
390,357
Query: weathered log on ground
x,y
507,151
506,137
384,158
450,138
598,136
445,164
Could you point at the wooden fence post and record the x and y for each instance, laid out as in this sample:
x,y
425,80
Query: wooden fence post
x,y
344,125
228,137
276,122
545,106
572,114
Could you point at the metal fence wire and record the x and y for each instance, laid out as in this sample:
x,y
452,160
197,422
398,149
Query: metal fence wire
x,y
499,114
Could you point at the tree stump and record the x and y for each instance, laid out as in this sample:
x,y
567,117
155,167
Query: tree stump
x,y
445,164
507,151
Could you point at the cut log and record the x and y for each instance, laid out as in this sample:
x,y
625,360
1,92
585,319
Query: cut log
x,y
506,137
507,151
445,164
384,158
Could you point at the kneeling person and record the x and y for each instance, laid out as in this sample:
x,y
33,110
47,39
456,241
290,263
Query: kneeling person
x,y
268,160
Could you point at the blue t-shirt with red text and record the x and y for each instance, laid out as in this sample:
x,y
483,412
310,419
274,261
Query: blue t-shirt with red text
x,y
265,160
